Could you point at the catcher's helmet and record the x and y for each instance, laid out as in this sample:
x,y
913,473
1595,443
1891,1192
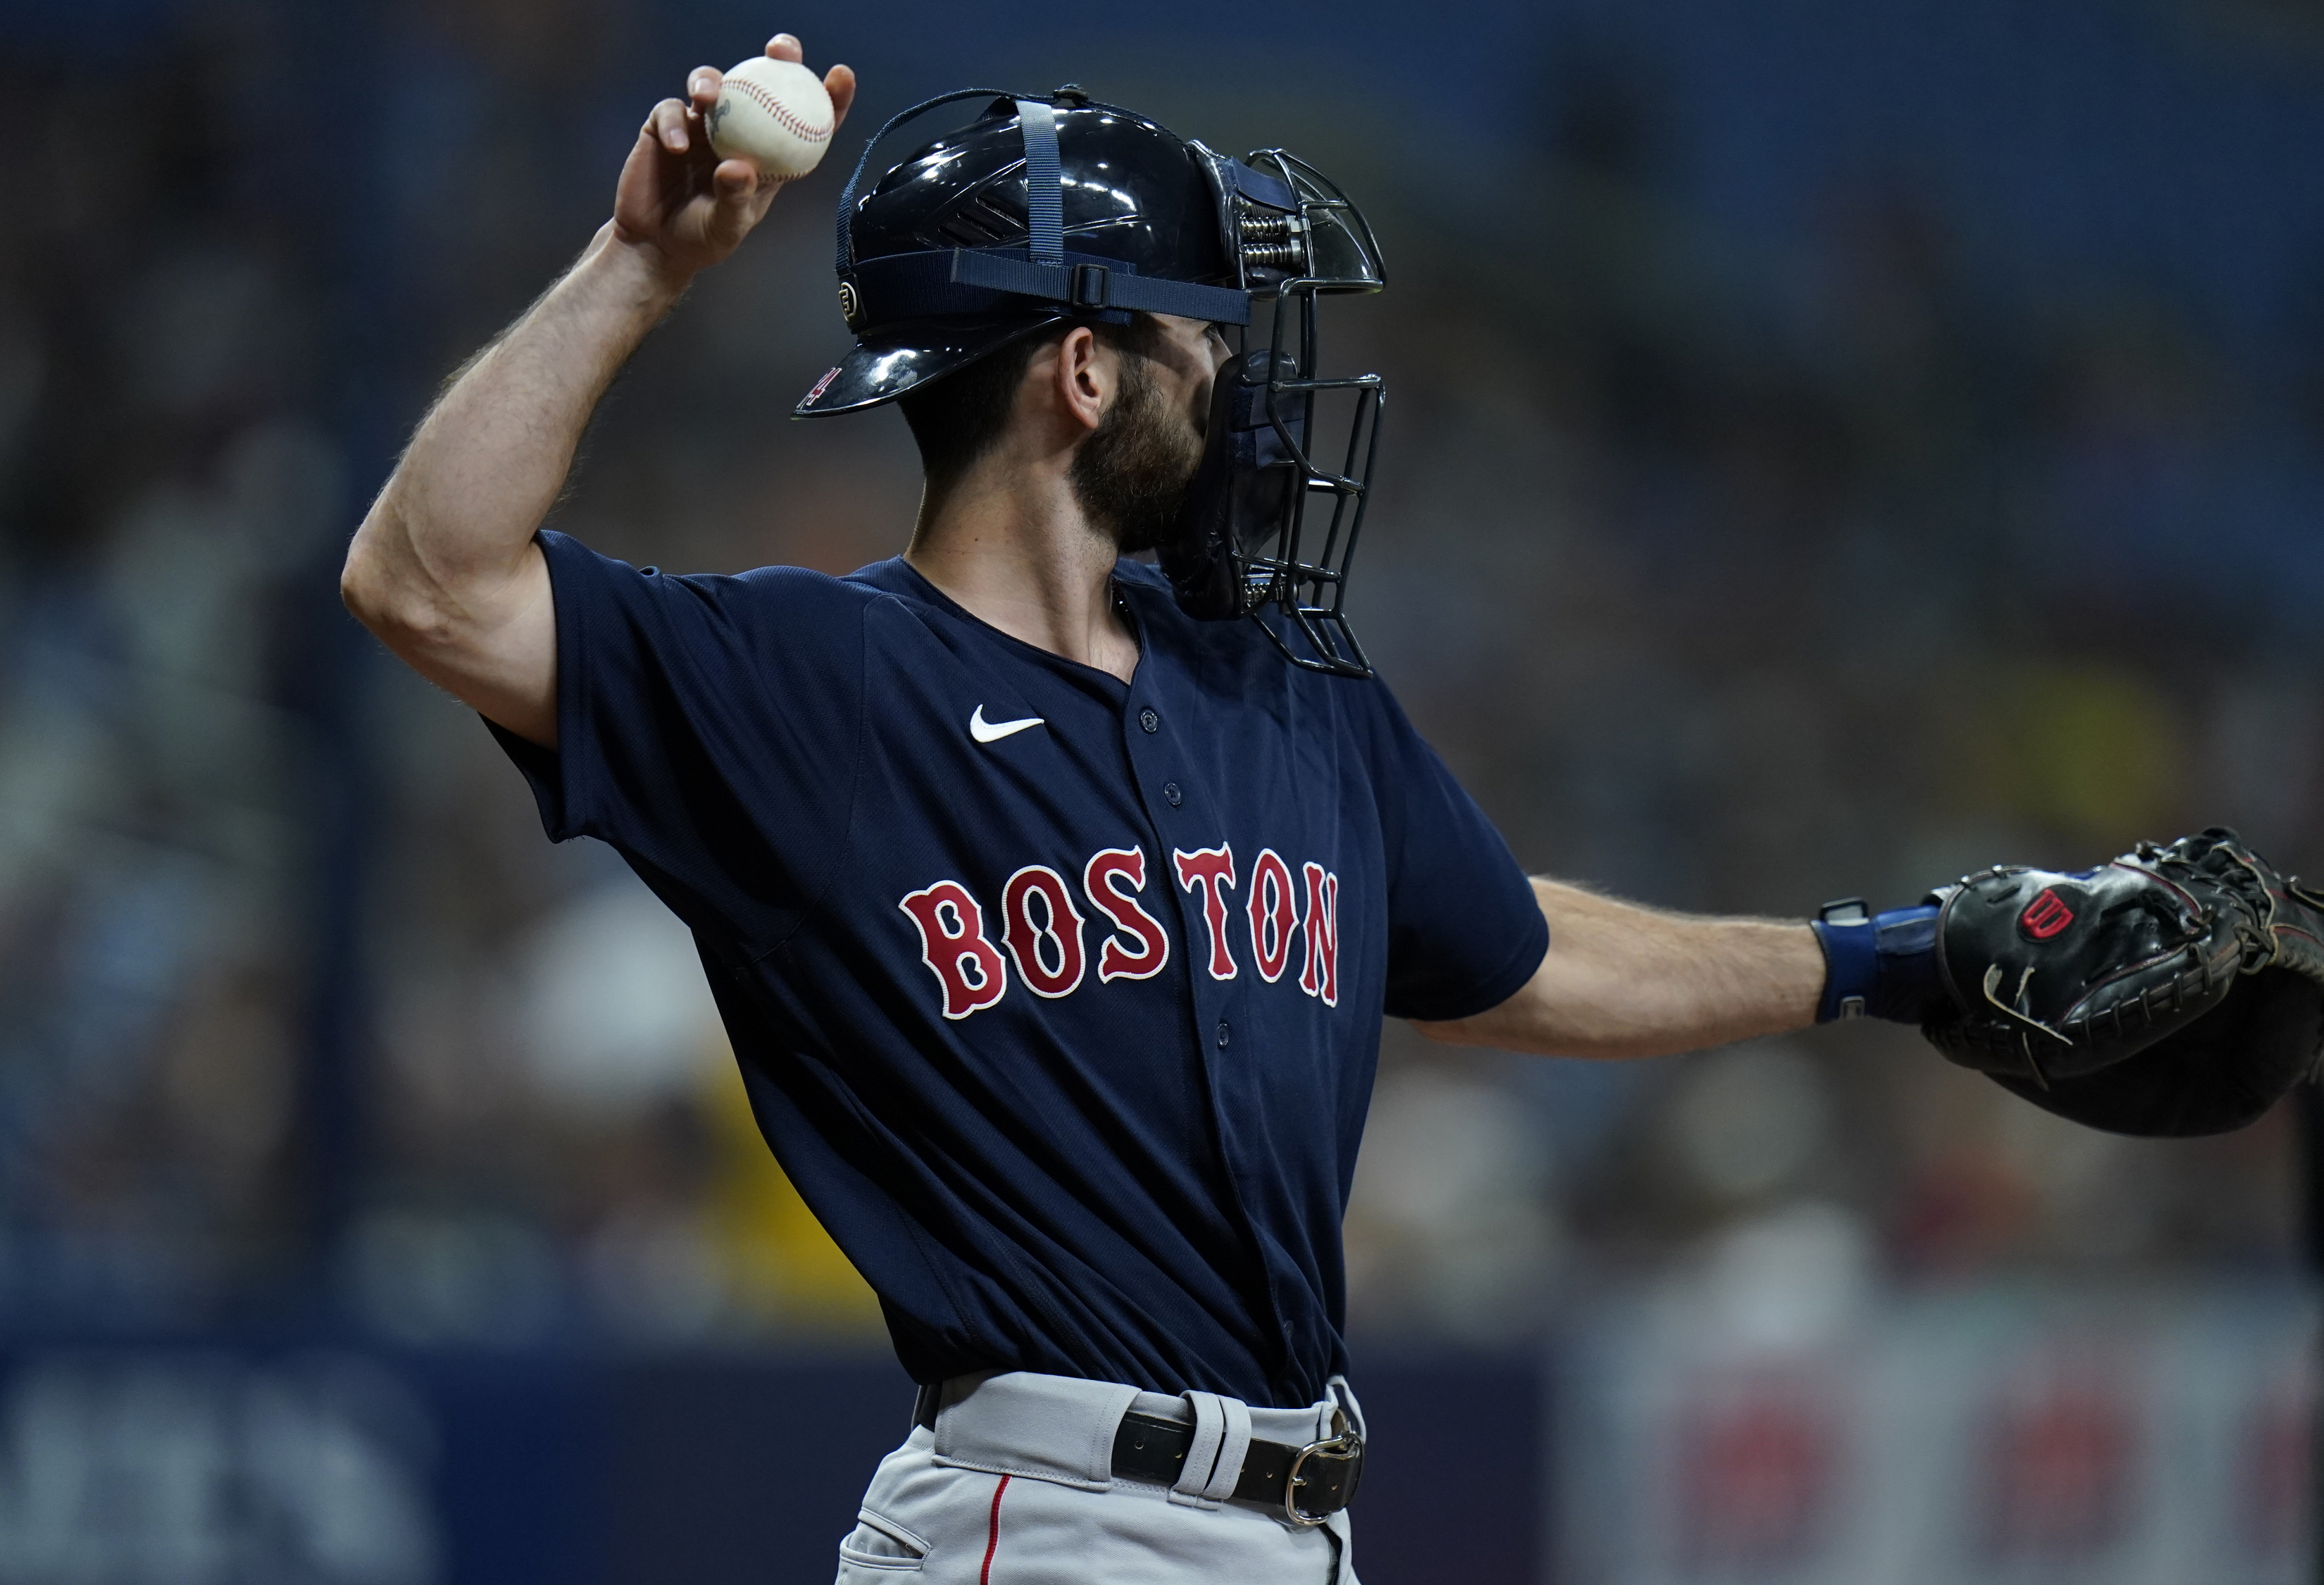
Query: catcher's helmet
x,y
1058,208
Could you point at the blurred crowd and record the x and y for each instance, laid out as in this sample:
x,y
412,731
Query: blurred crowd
x,y
1731,574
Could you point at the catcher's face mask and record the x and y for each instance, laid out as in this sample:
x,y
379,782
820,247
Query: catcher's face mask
x,y
1276,506
1275,509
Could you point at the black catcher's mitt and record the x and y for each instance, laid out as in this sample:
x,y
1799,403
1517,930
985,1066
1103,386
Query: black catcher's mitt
x,y
2174,990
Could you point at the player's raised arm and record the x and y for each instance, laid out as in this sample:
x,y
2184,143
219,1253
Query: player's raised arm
x,y
444,567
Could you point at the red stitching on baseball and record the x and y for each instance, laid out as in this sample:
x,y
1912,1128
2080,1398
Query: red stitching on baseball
x,y
780,112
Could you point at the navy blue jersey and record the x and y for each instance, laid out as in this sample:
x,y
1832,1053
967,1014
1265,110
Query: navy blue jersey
x,y
1058,998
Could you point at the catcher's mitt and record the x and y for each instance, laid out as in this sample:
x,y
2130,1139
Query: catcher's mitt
x,y
2174,990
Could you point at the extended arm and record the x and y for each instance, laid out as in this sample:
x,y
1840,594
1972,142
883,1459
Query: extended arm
x,y
1621,980
444,567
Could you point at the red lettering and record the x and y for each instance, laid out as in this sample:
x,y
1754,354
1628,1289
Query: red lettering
x,y
1101,881
1059,929
1321,978
1274,909
953,945
1213,870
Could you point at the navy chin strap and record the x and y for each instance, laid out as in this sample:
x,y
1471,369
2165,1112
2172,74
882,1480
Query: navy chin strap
x,y
983,281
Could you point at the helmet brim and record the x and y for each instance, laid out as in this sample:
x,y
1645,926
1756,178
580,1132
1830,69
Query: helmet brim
x,y
895,359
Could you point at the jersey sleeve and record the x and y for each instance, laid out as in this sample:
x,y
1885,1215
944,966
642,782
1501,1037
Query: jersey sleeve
x,y
709,728
1465,932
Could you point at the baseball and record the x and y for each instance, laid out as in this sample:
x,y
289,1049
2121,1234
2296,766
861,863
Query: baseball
x,y
774,114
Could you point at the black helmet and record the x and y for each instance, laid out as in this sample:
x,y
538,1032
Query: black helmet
x,y
1058,208
1137,204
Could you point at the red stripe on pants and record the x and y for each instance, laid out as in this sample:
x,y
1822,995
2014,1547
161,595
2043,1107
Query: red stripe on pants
x,y
993,1542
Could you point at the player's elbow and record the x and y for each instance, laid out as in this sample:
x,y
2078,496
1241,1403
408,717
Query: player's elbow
x,y
382,600
365,586
359,583
1509,1027
1451,1032
1536,1022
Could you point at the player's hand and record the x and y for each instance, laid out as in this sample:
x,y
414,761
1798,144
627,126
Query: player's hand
x,y
676,200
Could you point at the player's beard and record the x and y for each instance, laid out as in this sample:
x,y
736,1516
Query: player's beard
x,y
1132,474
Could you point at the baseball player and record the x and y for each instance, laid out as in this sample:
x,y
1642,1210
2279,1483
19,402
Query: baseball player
x,y
1053,898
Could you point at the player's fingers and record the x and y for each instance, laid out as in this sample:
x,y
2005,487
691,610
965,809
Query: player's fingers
x,y
734,179
785,47
666,125
736,185
702,86
839,82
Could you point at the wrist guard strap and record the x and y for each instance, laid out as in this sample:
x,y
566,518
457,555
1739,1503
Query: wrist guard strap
x,y
1881,966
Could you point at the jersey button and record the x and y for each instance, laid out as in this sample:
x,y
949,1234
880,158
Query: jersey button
x,y
1226,1032
1149,720
1171,795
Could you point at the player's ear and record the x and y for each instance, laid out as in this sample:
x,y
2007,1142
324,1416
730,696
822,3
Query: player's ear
x,y
1084,376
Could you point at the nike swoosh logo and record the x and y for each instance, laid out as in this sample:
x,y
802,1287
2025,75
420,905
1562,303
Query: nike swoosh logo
x,y
985,731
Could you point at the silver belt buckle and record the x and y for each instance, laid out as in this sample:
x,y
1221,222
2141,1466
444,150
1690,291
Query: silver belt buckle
x,y
1344,1446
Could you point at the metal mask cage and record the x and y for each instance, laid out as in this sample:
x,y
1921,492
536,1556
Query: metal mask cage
x,y
1299,561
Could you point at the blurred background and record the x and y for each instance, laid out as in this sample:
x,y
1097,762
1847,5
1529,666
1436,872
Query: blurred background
x,y
1832,445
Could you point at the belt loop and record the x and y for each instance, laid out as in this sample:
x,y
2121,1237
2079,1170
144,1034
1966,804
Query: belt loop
x,y
1234,1448
1345,1396
1214,1456
1203,1450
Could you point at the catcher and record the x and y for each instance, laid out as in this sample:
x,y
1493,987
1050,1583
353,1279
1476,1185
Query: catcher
x,y
1053,897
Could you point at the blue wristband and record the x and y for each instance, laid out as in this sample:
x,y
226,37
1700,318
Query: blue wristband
x,y
1877,967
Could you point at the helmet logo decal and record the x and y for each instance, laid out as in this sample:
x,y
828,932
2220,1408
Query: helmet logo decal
x,y
849,304
822,385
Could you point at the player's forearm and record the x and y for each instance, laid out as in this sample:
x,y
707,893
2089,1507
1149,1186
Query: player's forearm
x,y
455,521
1621,980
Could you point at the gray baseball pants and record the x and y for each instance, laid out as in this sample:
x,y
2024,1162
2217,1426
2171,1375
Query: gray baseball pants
x,y
1015,1486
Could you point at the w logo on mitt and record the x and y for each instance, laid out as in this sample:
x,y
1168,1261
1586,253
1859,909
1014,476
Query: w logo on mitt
x,y
2175,989
2045,916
